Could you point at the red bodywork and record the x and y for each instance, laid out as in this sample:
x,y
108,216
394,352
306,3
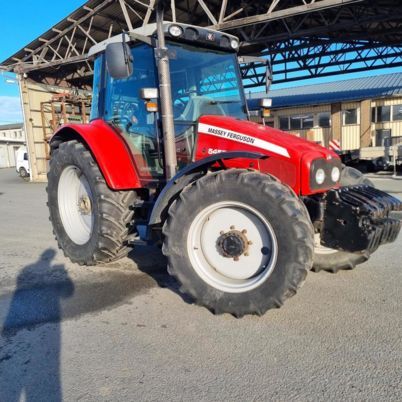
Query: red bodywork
x,y
289,159
110,151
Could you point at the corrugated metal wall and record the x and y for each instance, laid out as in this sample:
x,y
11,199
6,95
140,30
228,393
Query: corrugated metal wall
x,y
7,155
317,134
350,132
394,126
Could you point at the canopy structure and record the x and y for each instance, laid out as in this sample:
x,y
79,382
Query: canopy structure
x,y
303,38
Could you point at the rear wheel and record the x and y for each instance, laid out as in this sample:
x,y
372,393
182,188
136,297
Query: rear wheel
x,y
91,222
238,242
328,259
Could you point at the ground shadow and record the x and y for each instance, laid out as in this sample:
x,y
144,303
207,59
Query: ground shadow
x,y
151,261
32,367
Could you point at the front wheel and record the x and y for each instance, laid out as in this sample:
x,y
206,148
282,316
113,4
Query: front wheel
x,y
238,242
91,222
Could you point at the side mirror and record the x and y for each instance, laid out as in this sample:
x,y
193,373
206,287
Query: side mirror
x,y
119,61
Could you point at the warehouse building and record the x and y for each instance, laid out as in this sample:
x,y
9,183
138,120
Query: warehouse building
x,y
358,113
12,137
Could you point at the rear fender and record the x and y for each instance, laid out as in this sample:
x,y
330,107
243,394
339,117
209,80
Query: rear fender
x,y
192,172
108,148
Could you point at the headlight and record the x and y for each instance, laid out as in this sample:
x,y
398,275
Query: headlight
x,y
335,174
234,44
175,31
323,173
320,176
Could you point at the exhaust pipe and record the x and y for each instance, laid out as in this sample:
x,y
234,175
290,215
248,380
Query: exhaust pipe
x,y
169,145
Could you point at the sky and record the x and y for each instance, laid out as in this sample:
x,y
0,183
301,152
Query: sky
x,y
21,23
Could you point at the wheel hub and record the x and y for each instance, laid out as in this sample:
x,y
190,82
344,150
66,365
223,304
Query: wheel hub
x,y
84,205
233,244
235,258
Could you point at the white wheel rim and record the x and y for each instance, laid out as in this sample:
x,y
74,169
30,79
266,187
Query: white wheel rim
x,y
320,249
75,202
252,268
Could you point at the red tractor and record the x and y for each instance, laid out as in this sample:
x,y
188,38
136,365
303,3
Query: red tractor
x,y
242,211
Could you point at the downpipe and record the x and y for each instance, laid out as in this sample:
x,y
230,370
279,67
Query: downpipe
x,y
169,145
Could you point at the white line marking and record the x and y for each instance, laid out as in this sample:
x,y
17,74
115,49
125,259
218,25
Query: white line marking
x,y
242,138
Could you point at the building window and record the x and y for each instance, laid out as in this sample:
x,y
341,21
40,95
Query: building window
x,y
307,121
397,112
283,123
295,123
381,114
350,116
382,138
324,119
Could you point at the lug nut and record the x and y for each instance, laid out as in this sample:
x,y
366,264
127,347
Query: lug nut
x,y
244,231
235,258
249,242
232,227
221,232
246,254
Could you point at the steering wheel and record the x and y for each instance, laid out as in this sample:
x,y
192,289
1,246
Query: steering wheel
x,y
126,116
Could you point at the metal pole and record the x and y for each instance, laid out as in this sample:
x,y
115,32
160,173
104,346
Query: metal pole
x,y
169,144
395,150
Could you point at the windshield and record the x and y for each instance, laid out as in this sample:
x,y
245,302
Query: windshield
x,y
204,81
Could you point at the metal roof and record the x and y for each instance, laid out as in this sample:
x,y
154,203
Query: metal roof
x,y
15,126
375,87
303,38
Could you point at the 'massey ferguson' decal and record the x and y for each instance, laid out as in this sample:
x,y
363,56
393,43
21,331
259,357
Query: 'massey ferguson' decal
x,y
243,138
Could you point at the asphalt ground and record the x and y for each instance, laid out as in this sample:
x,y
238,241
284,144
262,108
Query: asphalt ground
x,y
122,332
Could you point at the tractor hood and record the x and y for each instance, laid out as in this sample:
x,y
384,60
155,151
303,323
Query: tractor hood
x,y
291,159
247,135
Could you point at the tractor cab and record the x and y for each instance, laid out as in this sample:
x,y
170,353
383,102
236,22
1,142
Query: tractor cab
x,y
204,79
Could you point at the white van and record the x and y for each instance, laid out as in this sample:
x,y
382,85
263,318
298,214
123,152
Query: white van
x,y
21,164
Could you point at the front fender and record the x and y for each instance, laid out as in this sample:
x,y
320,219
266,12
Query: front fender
x,y
108,148
190,173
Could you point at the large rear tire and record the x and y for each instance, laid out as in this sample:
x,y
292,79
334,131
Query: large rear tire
x,y
90,221
331,260
238,242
